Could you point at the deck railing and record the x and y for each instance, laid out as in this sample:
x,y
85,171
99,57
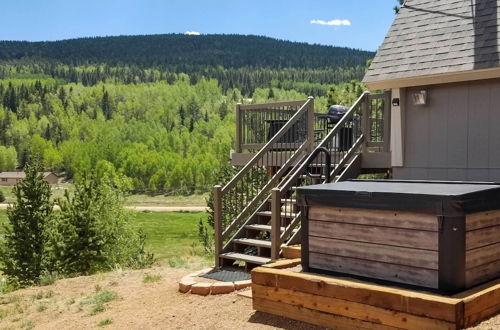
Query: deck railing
x,y
342,142
254,121
253,183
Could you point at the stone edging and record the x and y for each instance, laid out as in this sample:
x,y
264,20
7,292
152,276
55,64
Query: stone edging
x,y
189,283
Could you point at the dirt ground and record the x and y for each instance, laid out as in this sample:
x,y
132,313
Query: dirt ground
x,y
67,304
142,299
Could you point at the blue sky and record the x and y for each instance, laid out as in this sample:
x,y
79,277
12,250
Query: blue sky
x,y
358,24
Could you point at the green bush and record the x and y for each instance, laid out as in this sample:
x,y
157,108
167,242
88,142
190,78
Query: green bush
x,y
92,232
2,197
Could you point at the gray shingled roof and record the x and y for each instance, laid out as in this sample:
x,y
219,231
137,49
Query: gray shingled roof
x,y
430,37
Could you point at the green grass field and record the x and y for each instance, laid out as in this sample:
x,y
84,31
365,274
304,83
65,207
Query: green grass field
x,y
171,236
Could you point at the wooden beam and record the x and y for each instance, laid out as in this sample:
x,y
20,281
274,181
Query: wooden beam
x,y
354,310
313,316
275,223
412,302
217,223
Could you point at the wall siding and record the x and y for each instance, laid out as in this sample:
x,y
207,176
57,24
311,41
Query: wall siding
x,y
456,136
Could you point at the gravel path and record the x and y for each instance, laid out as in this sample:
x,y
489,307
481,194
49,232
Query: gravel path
x,y
150,208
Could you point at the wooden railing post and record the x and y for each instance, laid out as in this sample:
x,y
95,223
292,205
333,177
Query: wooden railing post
x,y
217,223
275,223
365,121
238,128
310,124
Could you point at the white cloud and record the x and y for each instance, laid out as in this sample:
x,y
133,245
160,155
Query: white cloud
x,y
192,33
333,22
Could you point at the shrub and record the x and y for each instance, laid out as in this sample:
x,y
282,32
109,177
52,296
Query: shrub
x,y
2,197
22,249
92,233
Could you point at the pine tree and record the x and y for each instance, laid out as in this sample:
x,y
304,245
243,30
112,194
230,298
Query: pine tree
x,y
270,95
182,115
106,105
22,249
191,125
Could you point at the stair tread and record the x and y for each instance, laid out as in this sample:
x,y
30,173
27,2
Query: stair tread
x,y
283,215
264,227
261,227
246,258
293,200
253,242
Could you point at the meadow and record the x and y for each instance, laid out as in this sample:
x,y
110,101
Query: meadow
x,y
171,236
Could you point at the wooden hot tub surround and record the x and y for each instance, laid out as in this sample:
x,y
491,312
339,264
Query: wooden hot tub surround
x,y
437,235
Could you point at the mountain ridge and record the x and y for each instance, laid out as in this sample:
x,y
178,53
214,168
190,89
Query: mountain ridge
x,y
166,50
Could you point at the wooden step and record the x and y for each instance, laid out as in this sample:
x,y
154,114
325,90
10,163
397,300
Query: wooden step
x,y
303,176
265,228
283,215
261,227
253,242
245,257
290,201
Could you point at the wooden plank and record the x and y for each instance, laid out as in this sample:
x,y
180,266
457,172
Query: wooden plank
x,y
395,219
283,263
482,237
413,302
482,273
291,252
378,270
482,255
375,252
482,219
312,316
350,309
424,240
481,303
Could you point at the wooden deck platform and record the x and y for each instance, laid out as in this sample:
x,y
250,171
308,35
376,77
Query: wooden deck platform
x,y
343,303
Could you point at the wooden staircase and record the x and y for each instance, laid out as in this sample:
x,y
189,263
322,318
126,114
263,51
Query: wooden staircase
x,y
256,213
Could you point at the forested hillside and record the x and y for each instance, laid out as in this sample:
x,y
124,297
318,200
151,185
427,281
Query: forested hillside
x,y
158,110
243,62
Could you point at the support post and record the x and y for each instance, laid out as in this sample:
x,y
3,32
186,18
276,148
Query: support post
x,y
275,223
387,121
310,123
217,223
238,128
365,122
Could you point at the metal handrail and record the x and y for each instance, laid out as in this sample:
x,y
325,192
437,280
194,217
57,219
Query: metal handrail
x,y
259,192
335,130
277,238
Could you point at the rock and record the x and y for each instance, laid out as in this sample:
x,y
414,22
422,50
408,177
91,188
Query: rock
x,y
238,285
186,283
202,289
222,287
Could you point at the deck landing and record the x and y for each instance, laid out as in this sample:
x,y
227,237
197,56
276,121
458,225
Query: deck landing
x,y
345,303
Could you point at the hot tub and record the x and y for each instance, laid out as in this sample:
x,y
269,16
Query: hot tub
x,y
439,235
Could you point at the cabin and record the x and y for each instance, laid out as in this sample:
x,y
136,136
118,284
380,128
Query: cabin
x,y
11,178
427,256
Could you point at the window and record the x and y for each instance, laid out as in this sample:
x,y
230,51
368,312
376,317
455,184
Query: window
x,y
4,179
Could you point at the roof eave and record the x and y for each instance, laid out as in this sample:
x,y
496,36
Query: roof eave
x,y
444,78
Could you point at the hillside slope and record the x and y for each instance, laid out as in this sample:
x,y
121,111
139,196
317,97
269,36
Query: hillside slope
x,y
178,50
